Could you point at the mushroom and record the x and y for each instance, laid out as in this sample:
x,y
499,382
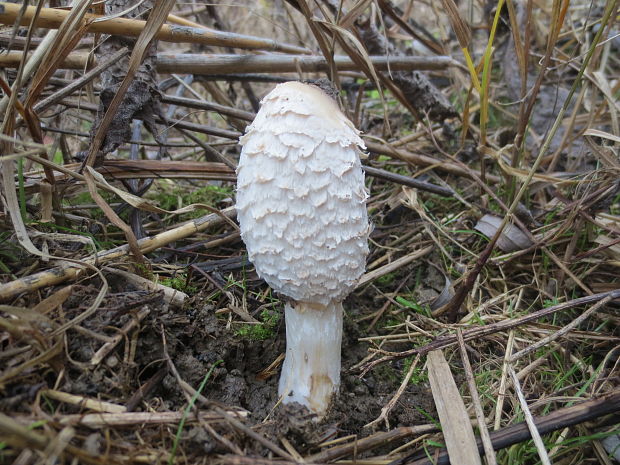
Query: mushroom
x,y
301,206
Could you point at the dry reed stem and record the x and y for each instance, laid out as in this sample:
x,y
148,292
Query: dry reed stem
x,y
106,420
540,446
393,266
148,244
552,337
254,435
368,443
501,395
81,401
51,18
475,399
234,64
172,296
218,64
455,423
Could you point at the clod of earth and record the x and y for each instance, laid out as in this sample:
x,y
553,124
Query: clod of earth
x,y
301,205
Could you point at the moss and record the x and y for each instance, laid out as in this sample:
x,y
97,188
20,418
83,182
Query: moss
x,y
386,279
172,197
180,283
419,375
264,330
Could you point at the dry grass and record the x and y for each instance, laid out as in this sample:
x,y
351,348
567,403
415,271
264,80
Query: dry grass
x,y
115,280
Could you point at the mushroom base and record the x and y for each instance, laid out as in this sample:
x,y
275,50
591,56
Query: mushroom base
x,y
311,370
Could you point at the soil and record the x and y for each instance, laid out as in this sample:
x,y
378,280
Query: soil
x,y
196,339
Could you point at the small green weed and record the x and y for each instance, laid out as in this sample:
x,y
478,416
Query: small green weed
x,y
180,283
386,279
419,375
173,197
422,309
264,330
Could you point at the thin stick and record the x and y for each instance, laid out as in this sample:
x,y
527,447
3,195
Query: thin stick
x,y
221,64
254,435
552,337
475,399
69,271
408,181
514,434
52,18
423,160
364,444
476,333
78,83
227,64
540,446
390,267
109,346
106,420
387,408
501,395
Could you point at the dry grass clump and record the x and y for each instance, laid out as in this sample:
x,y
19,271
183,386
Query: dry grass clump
x,y
132,327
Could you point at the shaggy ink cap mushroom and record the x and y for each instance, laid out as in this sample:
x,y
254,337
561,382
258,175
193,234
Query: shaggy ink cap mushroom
x,y
301,205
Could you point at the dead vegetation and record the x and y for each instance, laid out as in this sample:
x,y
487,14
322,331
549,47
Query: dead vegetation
x,y
132,327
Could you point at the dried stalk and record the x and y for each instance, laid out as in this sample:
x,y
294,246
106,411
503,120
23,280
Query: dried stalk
x,y
475,399
69,271
529,419
506,437
479,332
227,64
203,64
51,18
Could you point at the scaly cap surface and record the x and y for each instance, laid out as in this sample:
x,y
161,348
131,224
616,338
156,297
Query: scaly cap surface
x,y
301,195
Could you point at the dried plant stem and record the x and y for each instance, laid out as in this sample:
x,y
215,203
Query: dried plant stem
x,y
408,181
254,435
445,341
234,64
148,244
109,346
203,64
395,265
21,436
387,408
501,395
552,337
475,399
423,160
456,426
85,402
540,447
172,296
78,83
52,18
361,445
106,420
75,60
514,434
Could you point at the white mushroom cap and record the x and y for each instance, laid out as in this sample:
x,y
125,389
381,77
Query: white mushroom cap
x,y
301,196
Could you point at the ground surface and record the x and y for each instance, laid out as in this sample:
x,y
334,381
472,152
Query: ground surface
x,y
101,366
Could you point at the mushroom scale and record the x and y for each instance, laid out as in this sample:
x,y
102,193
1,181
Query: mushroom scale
x,y
301,206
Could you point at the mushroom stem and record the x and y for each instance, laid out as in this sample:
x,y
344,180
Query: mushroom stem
x,y
311,369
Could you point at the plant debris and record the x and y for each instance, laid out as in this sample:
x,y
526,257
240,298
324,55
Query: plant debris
x,y
133,327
